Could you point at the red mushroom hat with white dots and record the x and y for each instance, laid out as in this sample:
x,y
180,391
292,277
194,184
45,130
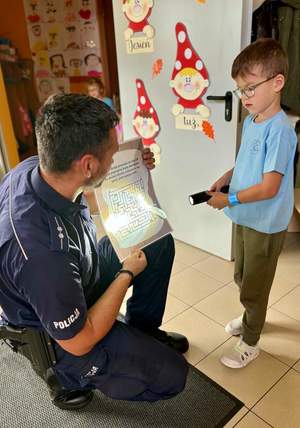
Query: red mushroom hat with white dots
x,y
187,57
144,104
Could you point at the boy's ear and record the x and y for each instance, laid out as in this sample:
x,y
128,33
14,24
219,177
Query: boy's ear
x,y
279,82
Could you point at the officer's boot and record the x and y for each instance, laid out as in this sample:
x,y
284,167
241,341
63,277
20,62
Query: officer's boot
x,y
63,398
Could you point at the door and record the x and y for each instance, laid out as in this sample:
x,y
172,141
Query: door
x,y
197,137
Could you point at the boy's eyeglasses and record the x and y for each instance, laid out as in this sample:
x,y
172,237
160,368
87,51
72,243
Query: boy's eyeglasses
x,y
250,90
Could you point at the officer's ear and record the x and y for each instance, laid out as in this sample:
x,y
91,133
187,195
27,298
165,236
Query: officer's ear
x,y
87,165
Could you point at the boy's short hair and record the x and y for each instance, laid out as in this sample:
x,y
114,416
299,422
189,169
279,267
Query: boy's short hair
x,y
268,53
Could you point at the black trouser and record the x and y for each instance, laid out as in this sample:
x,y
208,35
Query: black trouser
x,y
126,363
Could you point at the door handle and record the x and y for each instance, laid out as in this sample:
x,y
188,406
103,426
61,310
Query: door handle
x,y
228,103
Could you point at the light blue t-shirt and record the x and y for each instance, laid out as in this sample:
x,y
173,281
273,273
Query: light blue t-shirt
x,y
108,101
266,147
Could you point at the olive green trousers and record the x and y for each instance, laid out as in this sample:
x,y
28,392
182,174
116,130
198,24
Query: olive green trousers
x,y
256,256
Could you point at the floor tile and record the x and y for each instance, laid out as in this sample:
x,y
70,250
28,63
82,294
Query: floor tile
x,y
280,337
217,268
252,421
221,306
173,308
204,335
280,287
297,366
291,238
188,254
280,407
178,267
289,269
289,304
191,286
237,417
248,384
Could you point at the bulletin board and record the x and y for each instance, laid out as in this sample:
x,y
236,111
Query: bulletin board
x,y
64,41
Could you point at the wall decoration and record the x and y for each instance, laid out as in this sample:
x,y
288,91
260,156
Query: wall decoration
x,y
45,88
52,11
37,37
137,13
87,10
201,1
33,11
64,40
92,63
74,63
71,37
69,11
189,82
157,67
145,122
42,64
57,65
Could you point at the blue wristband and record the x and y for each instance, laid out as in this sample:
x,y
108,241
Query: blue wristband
x,y
233,199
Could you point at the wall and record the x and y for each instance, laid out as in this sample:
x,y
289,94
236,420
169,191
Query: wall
x,y
13,26
7,128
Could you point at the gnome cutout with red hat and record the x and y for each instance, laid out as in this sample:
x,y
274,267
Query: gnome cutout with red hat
x,y
145,122
190,77
137,12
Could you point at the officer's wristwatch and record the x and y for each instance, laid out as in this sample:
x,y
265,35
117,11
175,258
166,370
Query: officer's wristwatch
x,y
125,271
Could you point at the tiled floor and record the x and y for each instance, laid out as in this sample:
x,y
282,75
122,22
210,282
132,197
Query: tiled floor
x,y
202,298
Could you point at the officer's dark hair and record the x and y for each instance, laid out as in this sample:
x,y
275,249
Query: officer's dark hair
x,y
70,126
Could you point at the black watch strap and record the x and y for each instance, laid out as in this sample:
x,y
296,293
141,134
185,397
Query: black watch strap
x,y
125,271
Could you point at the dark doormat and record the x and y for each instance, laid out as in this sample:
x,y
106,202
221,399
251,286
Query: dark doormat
x,y
25,402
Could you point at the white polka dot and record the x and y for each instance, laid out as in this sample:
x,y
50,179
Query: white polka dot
x,y
178,65
143,100
188,53
199,64
139,84
181,36
138,108
151,110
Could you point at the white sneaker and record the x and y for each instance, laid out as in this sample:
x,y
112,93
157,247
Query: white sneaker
x,y
241,355
234,327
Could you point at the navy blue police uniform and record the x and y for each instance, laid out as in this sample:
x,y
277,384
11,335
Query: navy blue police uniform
x,y
52,270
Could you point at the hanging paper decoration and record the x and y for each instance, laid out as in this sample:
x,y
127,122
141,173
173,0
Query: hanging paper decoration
x,y
208,129
145,122
137,13
201,1
189,82
157,67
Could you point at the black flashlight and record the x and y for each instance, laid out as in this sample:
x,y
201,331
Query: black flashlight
x,y
200,197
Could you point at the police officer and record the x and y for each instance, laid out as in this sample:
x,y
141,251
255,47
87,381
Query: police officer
x,y
55,277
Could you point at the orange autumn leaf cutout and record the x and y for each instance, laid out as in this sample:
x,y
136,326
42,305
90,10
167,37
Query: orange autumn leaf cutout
x,y
157,67
208,129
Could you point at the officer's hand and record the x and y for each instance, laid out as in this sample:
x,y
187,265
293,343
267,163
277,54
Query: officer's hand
x,y
136,262
148,158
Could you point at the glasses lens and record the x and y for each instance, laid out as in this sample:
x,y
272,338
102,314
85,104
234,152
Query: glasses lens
x,y
249,92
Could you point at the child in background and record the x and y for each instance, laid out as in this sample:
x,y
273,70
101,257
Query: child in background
x,y
96,89
261,194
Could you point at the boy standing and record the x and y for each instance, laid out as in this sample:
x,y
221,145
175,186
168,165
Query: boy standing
x,y
260,200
